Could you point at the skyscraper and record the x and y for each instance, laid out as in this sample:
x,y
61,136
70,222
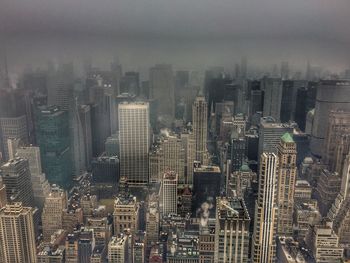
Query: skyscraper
x,y
162,89
231,231
286,152
15,127
265,221
200,126
17,239
16,176
272,88
53,137
40,185
331,95
134,141
52,216
169,193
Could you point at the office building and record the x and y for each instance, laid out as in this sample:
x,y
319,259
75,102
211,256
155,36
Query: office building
x,y
52,215
200,126
206,188
105,169
270,133
231,231
169,193
152,220
288,251
337,140
17,239
265,220
162,89
272,88
287,173
40,185
331,95
324,244
118,249
126,213
12,127
85,121
327,190
134,137
53,138
16,176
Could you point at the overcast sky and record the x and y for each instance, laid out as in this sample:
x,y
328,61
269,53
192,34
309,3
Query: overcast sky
x,y
150,31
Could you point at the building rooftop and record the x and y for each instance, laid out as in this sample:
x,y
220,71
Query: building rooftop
x,y
287,138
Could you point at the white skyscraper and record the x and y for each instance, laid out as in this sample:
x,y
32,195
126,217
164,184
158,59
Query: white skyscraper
x,y
134,132
169,193
264,243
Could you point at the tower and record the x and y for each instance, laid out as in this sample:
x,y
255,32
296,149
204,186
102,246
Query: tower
x,y
272,88
17,239
134,141
265,222
286,152
200,126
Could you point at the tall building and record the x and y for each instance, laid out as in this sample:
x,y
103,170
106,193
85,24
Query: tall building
x,y
15,127
152,220
231,231
17,239
134,134
16,176
162,89
200,126
40,185
265,220
105,169
169,193
331,95
52,215
118,249
272,88
270,133
53,138
287,173
337,140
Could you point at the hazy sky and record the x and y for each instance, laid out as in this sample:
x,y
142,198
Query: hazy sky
x,y
184,32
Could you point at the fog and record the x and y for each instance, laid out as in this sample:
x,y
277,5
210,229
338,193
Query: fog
x,y
188,34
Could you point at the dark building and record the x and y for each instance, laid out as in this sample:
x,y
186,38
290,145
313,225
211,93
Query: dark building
x,y
287,101
237,151
105,169
206,187
130,83
100,125
52,135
